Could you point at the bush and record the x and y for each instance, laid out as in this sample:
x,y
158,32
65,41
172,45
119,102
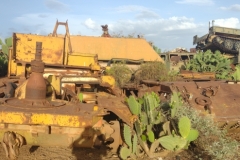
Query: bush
x,y
3,64
154,71
210,62
212,140
121,72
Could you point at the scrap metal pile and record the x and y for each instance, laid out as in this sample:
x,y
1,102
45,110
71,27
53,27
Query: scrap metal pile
x,y
63,93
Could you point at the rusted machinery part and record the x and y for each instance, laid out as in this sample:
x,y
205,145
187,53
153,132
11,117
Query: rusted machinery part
x,y
11,143
116,135
10,89
153,82
226,44
36,86
233,128
203,101
237,46
117,106
210,91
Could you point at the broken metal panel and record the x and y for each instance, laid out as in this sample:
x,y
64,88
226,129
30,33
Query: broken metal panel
x,y
118,107
224,100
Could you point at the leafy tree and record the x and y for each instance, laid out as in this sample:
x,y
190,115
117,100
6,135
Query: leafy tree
x,y
158,50
1,42
4,55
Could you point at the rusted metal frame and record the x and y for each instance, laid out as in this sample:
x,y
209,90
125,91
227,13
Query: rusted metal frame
x,y
14,51
67,33
10,52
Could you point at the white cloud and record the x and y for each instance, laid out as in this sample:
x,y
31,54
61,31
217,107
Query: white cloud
x,y
34,23
147,14
56,6
229,22
140,11
235,7
196,2
130,8
89,23
165,33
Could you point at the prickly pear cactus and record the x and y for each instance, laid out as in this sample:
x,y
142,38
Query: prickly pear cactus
x,y
125,152
184,126
236,74
134,106
175,142
176,101
193,135
131,141
127,135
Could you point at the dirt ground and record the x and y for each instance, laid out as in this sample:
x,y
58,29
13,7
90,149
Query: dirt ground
x,y
28,152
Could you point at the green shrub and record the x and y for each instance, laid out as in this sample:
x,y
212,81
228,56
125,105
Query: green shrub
x,y
121,72
212,140
154,71
3,64
210,62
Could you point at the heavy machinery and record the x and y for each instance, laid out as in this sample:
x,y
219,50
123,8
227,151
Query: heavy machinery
x,y
62,93
226,40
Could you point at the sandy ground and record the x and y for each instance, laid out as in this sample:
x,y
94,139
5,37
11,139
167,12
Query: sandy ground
x,y
28,152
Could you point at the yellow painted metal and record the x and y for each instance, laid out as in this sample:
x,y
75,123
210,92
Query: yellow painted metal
x,y
52,135
79,59
95,108
108,80
43,119
55,82
13,117
108,48
52,48
60,120
95,67
55,51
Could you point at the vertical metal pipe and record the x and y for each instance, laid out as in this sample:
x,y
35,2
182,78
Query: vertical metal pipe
x,y
36,85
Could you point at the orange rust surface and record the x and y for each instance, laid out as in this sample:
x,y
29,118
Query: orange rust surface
x,y
108,48
225,104
117,106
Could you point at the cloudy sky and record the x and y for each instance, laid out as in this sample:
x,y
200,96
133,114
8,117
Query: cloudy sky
x,y
167,23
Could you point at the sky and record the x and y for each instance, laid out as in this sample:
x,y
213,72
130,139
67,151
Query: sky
x,y
166,23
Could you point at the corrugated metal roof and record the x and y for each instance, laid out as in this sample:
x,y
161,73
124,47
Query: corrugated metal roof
x,y
108,48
